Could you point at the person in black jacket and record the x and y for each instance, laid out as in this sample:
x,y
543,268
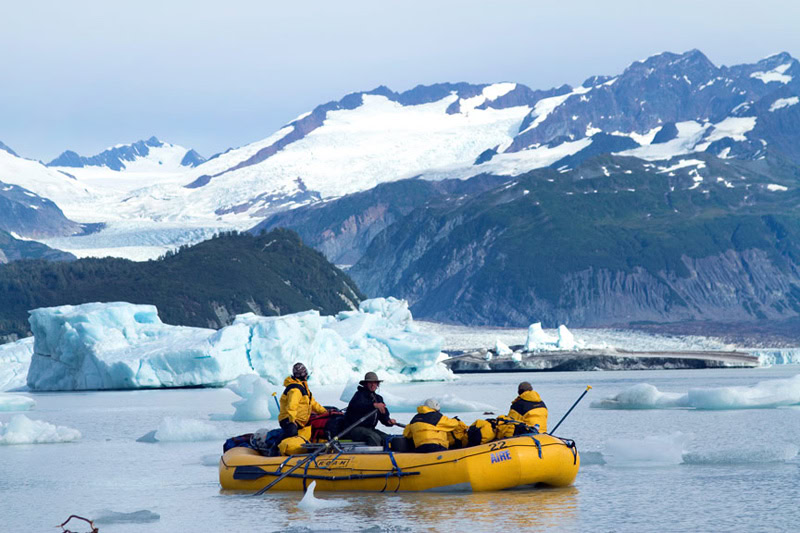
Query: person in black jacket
x,y
365,400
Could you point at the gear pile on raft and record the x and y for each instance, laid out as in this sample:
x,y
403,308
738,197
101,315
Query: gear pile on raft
x,y
345,451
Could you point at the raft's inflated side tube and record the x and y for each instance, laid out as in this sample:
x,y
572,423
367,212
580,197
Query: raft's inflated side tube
x,y
497,465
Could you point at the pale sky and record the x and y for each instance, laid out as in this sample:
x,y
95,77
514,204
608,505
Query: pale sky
x,y
85,75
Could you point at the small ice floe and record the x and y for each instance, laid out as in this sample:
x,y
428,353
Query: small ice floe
x,y
643,396
183,430
22,430
210,460
311,503
15,402
592,458
107,516
662,450
399,404
763,395
501,348
538,340
15,360
256,399
779,453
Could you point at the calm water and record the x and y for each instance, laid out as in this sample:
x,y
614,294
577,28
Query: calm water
x,y
739,472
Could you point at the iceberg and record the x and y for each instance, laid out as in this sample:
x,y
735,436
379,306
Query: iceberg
x,y
538,340
15,402
15,359
256,402
126,346
778,356
22,430
500,348
173,429
769,394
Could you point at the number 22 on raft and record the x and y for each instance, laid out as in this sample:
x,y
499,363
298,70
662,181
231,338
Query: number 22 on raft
x,y
505,455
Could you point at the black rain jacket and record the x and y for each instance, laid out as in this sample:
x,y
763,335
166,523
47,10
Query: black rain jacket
x,y
361,404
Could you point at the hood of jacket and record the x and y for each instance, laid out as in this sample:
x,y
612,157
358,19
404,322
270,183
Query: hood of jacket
x,y
531,396
294,381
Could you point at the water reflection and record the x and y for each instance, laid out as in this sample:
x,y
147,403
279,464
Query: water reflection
x,y
529,509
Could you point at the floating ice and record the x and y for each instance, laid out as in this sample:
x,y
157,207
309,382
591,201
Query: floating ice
x,y
399,404
393,310
643,396
778,356
538,340
592,458
184,430
660,450
773,393
15,359
779,453
765,394
22,430
311,503
15,402
501,348
126,346
107,516
257,402
566,341
210,460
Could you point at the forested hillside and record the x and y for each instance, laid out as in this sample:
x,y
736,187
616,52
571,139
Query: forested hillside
x,y
203,285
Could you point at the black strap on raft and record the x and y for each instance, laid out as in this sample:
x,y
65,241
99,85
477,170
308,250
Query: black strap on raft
x,y
396,471
538,446
571,445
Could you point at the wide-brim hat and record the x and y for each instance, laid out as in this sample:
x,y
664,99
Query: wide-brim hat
x,y
370,377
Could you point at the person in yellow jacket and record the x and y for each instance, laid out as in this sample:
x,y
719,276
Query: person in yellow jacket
x,y
431,431
297,403
482,431
527,408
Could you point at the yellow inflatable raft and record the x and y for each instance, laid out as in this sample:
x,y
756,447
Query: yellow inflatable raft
x,y
503,464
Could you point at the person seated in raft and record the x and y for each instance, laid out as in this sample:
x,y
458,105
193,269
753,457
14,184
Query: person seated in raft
x,y
482,431
296,403
365,400
431,431
527,408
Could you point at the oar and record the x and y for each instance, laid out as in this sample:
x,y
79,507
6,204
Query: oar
x,y
325,448
275,397
588,387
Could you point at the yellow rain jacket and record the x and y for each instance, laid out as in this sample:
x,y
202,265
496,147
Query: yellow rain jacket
x,y
297,402
482,431
432,427
527,408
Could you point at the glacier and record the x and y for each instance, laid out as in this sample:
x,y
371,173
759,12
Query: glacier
x,y
120,345
15,359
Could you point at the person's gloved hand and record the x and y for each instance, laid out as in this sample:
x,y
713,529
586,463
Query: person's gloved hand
x,y
289,428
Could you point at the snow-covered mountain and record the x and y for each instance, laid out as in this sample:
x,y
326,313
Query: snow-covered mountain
x,y
138,156
658,108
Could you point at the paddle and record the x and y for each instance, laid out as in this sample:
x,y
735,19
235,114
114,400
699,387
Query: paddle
x,y
325,448
588,387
